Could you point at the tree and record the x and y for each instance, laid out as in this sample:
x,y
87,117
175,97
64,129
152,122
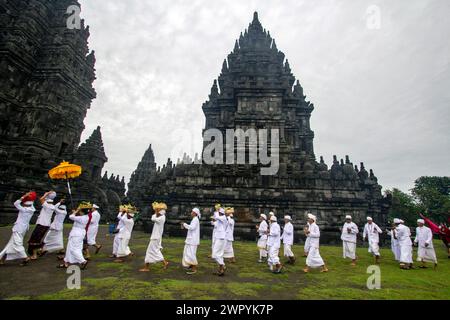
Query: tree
x,y
433,194
403,207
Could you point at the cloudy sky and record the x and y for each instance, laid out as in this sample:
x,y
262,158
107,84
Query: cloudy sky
x,y
377,71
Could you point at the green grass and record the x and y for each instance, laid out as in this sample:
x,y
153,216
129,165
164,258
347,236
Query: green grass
x,y
247,279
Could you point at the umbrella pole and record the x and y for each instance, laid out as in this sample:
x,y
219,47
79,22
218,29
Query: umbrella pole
x,y
70,193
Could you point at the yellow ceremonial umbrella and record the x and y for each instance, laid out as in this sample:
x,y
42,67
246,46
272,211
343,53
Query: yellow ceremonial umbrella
x,y
65,170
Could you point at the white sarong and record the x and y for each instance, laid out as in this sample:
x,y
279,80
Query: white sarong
x,y
288,250
262,246
53,241
396,251
116,244
307,245
74,251
374,248
349,250
154,253
426,254
92,235
124,249
314,260
406,254
273,259
14,249
189,256
218,250
228,252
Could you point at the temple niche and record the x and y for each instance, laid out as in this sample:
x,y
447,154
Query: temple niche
x,y
46,76
256,89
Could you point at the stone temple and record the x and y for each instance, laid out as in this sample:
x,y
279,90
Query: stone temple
x,y
46,76
256,89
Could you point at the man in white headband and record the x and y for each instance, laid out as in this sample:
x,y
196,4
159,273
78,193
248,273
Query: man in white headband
x,y
54,241
348,237
372,234
15,250
220,241
43,223
217,207
403,236
228,253
307,244
273,245
314,260
124,235
93,230
424,242
192,242
262,228
288,239
392,233
154,254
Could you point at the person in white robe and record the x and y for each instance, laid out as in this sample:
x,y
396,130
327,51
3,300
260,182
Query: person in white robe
x,y
54,240
372,234
288,239
314,260
116,242
154,254
214,225
273,245
36,241
15,250
262,241
192,242
124,235
92,231
348,237
74,250
229,236
403,236
220,241
307,244
395,248
424,242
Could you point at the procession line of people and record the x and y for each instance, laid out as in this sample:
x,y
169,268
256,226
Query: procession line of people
x,y
47,237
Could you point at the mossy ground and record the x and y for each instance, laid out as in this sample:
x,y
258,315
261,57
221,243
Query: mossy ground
x,y
246,279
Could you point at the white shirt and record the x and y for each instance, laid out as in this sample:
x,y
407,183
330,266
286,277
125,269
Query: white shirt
x,y
79,225
127,227
229,233
45,216
263,227
221,226
193,234
120,223
23,218
372,232
95,221
349,236
404,235
288,234
314,235
158,227
58,220
274,235
424,236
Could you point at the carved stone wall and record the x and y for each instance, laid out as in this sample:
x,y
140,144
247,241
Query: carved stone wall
x,y
256,89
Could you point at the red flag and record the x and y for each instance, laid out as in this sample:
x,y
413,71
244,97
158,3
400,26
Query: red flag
x,y
434,227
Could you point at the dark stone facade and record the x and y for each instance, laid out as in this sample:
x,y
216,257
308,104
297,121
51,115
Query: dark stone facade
x,y
256,89
46,76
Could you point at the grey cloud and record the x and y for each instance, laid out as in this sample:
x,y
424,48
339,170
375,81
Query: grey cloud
x,y
381,96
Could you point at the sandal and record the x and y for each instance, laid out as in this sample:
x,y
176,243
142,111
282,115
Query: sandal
x,y
84,265
98,249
